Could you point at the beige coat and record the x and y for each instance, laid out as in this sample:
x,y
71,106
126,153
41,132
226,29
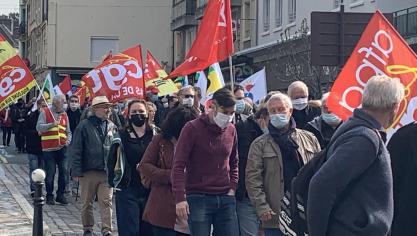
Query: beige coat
x,y
264,175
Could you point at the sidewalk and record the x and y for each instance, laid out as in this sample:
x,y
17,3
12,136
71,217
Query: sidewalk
x,y
16,206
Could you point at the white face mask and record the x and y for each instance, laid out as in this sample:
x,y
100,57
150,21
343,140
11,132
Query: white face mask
x,y
166,105
300,103
279,121
74,106
330,118
65,106
240,106
189,102
222,120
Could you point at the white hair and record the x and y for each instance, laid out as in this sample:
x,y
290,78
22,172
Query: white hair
x,y
297,84
382,93
280,97
58,98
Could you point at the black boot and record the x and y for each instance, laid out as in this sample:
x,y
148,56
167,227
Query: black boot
x,y
61,199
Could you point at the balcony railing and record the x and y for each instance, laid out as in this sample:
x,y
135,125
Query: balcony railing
x,y
405,21
183,14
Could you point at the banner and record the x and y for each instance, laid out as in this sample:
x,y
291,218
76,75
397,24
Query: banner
x,y
255,86
215,77
214,40
64,87
15,78
81,94
380,51
119,77
154,76
202,84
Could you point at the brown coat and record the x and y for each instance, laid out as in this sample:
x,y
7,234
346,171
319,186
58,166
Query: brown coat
x,y
156,166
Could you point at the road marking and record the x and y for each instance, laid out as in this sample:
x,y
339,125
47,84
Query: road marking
x,y
3,159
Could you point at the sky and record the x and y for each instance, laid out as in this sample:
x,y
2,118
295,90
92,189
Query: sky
x,y
8,6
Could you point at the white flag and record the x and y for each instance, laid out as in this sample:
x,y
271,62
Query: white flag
x,y
47,91
202,84
255,86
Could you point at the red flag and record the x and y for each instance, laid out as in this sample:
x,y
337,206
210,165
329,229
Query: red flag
x,y
380,51
153,69
119,77
214,41
15,77
81,93
65,85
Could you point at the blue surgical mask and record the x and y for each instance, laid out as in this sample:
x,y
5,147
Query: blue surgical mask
x,y
240,106
279,121
330,118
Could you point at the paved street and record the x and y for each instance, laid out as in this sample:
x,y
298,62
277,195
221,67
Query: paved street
x,y
16,207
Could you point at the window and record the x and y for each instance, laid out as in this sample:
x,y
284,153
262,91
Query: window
x,y
336,4
266,11
100,46
247,20
278,13
291,10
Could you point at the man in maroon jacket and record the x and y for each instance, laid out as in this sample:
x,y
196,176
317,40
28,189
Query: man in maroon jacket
x,y
205,170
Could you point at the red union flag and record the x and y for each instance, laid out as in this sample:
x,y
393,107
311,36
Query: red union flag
x,y
214,41
380,51
15,78
118,77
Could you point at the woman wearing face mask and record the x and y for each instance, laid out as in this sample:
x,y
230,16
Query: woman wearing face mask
x,y
132,197
156,166
324,126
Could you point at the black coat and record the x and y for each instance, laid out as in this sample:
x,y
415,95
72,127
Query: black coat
x,y
247,132
302,117
321,130
33,144
403,151
74,118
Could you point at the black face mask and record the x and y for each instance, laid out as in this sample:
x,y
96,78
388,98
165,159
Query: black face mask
x,y
138,119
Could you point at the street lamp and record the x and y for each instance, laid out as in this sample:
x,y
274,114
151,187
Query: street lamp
x,y
38,177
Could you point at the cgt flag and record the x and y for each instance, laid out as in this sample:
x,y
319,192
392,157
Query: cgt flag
x,y
214,41
119,77
154,76
15,77
380,51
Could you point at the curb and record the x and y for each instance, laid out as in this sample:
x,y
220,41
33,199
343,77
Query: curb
x,y
22,202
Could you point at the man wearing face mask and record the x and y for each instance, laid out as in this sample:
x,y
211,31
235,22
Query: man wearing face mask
x,y
186,96
207,149
303,111
89,151
352,192
74,112
54,129
239,93
274,159
324,126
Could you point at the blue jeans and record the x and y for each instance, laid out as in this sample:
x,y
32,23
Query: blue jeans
x,y
159,231
35,162
248,219
130,205
216,210
273,232
52,160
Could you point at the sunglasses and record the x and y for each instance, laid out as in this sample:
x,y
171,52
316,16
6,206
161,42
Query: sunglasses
x,y
188,96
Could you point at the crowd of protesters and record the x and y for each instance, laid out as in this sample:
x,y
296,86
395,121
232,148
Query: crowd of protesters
x,y
178,166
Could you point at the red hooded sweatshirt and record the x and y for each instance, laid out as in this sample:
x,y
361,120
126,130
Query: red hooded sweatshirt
x,y
205,159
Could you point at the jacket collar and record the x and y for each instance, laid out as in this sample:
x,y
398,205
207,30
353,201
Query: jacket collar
x,y
366,118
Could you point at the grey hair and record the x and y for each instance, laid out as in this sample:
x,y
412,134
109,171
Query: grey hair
x,y
297,84
281,97
382,93
185,88
58,97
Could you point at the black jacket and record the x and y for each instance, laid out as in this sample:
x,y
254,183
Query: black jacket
x,y
73,118
302,117
321,130
403,151
89,148
247,132
33,144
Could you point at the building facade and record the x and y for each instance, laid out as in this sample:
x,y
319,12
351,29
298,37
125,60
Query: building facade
x,y
73,36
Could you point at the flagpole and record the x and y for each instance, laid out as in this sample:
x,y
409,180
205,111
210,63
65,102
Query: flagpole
x,y
231,73
41,92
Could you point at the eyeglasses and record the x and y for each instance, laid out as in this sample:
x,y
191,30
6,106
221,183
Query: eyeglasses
x,y
188,96
134,112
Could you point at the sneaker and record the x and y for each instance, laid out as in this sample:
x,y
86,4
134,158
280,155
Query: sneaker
x,y
61,199
50,200
88,233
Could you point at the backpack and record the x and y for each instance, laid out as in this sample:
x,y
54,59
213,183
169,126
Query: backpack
x,y
293,216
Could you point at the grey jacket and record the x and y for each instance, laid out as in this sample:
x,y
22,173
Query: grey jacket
x,y
89,151
264,175
352,192
42,126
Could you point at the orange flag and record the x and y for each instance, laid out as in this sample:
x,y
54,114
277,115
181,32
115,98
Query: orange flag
x,y
153,69
15,77
119,77
380,51
214,41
